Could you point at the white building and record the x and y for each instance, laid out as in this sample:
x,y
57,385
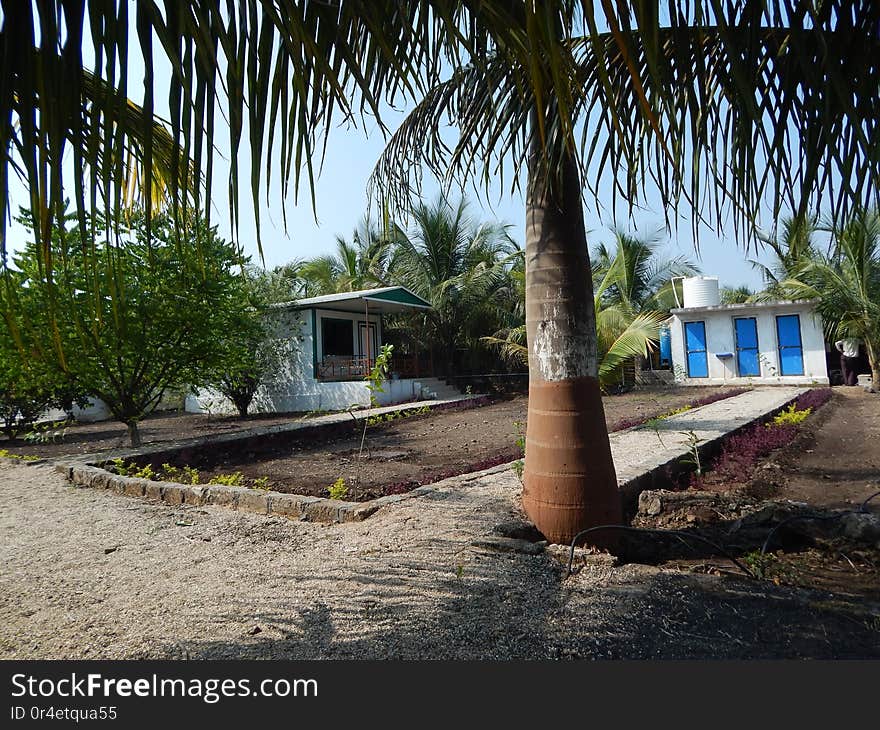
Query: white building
x,y
333,342
777,343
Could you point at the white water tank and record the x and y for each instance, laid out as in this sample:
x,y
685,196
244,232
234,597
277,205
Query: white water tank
x,y
701,291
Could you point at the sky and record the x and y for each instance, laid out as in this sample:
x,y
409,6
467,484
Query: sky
x,y
341,202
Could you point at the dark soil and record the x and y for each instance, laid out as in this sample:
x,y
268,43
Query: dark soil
x,y
407,452
163,427
832,464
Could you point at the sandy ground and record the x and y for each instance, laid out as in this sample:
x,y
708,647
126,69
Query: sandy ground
x,y
89,574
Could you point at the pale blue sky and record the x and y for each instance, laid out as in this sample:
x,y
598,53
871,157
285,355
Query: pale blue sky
x,y
341,202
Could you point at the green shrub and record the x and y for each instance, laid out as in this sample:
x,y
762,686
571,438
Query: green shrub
x,y
235,479
338,490
790,416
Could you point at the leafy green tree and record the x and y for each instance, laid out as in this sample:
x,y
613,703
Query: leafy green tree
x,y
133,317
253,353
280,284
845,284
26,389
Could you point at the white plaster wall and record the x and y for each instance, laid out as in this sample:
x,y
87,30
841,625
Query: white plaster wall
x,y
720,337
96,410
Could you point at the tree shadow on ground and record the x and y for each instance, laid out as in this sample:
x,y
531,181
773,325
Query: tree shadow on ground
x,y
514,606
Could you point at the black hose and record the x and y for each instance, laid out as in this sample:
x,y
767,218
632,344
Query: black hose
x,y
677,533
864,505
689,535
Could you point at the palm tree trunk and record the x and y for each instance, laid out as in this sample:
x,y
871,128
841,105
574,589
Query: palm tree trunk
x,y
874,362
569,483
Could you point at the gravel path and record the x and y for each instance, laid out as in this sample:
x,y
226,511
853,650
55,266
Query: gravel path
x,y
90,574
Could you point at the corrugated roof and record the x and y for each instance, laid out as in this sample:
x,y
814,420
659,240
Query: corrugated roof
x,y
383,299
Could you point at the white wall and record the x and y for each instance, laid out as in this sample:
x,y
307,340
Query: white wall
x,y
309,396
720,337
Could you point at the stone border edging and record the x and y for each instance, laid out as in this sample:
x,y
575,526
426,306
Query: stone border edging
x,y
320,509
259,501
83,471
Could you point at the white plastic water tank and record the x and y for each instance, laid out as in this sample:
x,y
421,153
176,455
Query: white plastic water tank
x,y
701,291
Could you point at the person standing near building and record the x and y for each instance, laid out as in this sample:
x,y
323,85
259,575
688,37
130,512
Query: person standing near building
x,y
849,353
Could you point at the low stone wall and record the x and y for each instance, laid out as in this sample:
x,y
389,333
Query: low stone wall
x,y
259,501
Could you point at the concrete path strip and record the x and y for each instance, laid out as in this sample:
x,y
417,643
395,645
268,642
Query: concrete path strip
x,y
643,451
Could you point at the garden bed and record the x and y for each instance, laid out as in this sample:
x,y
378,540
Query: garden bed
x,y
806,483
399,454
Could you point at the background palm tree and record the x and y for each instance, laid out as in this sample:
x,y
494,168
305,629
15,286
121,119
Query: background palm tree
x,y
633,294
359,264
633,272
790,247
846,285
462,267
736,294
633,279
718,96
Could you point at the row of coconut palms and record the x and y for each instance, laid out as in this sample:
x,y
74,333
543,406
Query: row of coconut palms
x,y
473,273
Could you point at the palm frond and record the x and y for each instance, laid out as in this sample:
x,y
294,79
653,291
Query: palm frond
x,y
636,340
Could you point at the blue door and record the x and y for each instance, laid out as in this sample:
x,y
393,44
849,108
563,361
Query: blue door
x,y
791,350
747,363
695,344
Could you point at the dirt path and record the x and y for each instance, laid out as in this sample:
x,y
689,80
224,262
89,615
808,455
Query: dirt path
x,y
89,574
838,463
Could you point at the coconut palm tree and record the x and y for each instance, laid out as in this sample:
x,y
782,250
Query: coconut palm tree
x,y
459,265
845,285
634,273
622,336
736,294
548,90
359,264
634,279
632,287
715,103
790,247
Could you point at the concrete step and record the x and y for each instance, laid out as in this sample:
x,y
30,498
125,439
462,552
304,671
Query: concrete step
x,y
436,389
